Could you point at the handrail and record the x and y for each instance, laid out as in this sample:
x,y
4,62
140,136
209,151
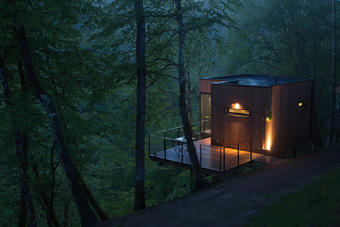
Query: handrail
x,y
238,150
224,162
178,127
244,141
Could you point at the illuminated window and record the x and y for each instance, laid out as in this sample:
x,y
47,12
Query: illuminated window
x,y
301,105
205,106
236,110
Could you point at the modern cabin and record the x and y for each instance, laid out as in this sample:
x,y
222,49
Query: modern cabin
x,y
272,112
242,118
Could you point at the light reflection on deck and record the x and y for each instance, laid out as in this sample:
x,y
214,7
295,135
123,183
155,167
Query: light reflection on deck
x,y
213,158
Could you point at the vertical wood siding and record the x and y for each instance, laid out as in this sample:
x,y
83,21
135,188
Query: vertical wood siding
x,y
290,126
205,85
256,99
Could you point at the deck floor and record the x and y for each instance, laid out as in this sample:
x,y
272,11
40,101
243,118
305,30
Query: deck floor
x,y
210,157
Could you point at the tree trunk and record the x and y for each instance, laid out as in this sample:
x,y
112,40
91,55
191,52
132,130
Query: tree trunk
x,y
66,215
52,216
189,98
21,147
46,202
333,81
21,151
88,218
23,211
197,180
140,123
99,211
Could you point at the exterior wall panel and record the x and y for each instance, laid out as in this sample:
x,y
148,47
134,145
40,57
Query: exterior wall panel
x,y
229,130
293,123
205,85
288,128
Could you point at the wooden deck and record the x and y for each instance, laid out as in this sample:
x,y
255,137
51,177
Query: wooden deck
x,y
213,158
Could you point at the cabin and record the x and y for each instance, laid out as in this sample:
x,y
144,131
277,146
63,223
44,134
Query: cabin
x,y
242,118
273,112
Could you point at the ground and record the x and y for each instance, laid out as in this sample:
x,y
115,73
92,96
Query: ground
x,y
234,201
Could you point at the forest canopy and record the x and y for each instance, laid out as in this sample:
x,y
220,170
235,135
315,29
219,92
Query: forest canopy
x,y
69,87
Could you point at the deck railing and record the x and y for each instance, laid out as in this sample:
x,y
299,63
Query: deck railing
x,y
168,149
200,130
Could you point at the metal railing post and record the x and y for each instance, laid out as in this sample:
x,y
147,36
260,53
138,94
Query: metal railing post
x,y
251,150
238,155
220,160
200,155
204,127
223,159
164,143
182,152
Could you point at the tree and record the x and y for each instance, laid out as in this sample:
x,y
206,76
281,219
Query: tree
x,y
20,138
141,89
331,120
289,38
79,191
197,179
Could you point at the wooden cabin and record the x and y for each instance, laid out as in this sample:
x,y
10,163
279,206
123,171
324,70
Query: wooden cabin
x,y
272,112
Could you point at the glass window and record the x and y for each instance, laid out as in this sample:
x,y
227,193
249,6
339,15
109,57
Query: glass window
x,y
205,107
236,110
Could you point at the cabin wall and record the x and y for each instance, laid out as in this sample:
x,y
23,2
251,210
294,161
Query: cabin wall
x,y
291,126
256,99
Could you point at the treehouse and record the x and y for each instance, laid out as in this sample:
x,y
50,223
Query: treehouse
x,y
273,112
242,118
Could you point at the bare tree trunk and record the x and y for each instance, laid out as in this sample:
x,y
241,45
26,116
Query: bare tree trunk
x,y
88,218
197,180
21,151
99,211
329,141
189,98
66,216
47,203
53,167
141,99
23,211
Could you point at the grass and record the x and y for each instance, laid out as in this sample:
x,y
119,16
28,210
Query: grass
x,y
317,204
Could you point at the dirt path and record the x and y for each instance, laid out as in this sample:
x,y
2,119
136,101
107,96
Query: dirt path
x,y
231,203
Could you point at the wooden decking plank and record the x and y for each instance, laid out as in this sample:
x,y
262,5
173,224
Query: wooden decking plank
x,y
211,158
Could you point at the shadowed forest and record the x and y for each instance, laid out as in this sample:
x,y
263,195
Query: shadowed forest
x,y
84,82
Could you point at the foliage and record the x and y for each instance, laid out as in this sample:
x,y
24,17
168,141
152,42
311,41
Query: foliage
x,y
83,52
287,38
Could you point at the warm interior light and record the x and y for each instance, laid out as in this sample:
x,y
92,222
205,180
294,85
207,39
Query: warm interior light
x,y
268,142
236,106
267,145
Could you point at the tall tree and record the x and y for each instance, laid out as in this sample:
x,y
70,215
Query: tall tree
x,y
140,122
88,217
331,120
197,179
21,145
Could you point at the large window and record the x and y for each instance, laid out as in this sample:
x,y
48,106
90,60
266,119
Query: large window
x,y
236,110
205,107
206,114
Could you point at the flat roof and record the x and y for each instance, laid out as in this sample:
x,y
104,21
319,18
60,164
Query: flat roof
x,y
255,80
